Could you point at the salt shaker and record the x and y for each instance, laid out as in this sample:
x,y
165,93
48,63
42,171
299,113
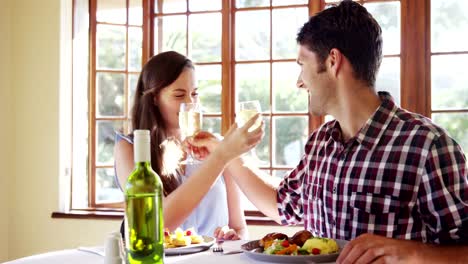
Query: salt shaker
x,y
113,250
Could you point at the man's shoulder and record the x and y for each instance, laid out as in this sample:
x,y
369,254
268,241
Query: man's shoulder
x,y
415,123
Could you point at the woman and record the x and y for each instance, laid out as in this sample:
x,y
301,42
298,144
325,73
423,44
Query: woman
x,y
194,195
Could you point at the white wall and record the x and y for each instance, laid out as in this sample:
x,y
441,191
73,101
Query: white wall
x,y
6,125
29,131
35,50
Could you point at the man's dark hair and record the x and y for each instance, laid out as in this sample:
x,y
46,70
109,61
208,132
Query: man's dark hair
x,y
352,30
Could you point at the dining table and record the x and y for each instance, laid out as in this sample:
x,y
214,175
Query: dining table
x,y
95,255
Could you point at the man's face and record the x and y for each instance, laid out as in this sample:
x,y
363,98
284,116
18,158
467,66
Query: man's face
x,y
315,79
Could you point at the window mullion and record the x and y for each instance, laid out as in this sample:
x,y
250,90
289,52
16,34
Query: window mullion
x,y
415,56
92,108
227,58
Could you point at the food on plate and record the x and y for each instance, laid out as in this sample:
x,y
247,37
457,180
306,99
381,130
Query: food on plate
x,y
181,238
195,239
301,243
301,237
321,245
268,239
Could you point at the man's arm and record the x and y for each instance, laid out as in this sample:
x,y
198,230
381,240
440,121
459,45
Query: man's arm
x,y
257,189
369,248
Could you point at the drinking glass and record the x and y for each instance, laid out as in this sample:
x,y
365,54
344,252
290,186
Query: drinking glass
x,y
247,110
190,121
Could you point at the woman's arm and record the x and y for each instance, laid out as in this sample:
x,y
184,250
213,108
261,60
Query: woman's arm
x,y
181,202
236,211
124,164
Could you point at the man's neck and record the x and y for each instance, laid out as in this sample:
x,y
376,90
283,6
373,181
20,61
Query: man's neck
x,y
355,105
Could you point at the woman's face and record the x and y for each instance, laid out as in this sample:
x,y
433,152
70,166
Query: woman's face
x,y
182,90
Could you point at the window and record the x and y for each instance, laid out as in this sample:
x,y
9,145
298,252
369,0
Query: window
x,y
246,50
449,57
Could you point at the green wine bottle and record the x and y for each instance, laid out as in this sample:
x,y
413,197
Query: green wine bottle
x,y
143,213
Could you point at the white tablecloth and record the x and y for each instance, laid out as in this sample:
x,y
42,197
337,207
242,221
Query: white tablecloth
x,y
75,256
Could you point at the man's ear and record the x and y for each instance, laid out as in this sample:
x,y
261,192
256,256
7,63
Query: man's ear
x,y
335,60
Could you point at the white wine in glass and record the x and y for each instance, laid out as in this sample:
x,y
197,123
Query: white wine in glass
x,y
190,121
247,110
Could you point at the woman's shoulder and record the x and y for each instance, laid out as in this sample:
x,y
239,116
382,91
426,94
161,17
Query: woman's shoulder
x,y
120,136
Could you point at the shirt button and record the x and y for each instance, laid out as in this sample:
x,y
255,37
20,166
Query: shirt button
x,y
334,189
333,222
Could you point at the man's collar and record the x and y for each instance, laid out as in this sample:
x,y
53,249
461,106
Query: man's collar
x,y
372,130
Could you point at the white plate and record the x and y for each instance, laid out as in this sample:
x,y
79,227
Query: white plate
x,y
253,250
193,248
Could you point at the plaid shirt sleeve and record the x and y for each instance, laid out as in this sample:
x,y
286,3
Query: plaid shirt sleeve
x,y
290,192
443,193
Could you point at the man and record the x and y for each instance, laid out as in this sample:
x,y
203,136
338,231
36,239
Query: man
x,y
389,180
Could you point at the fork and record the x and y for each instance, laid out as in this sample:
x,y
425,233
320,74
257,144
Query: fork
x,y
219,248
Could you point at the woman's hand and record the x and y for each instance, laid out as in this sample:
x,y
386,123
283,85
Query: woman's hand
x,y
226,233
236,141
201,144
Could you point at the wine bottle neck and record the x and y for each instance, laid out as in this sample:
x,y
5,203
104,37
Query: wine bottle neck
x,y
141,150
142,165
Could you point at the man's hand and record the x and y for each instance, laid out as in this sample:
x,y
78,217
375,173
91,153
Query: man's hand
x,y
369,248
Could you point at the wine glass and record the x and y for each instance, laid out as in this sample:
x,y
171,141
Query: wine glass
x,y
190,120
247,110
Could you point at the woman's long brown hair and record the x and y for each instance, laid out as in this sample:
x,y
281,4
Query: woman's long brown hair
x,y
159,72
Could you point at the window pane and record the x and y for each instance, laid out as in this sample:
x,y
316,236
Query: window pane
x,y
209,87
111,11
135,13
289,139
289,2
170,6
449,18
212,124
174,33
251,3
105,131
456,125
204,5
287,97
110,47
135,47
261,153
253,83
110,94
388,17
388,78
106,188
252,35
132,83
286,24
205,41
278,175
449,82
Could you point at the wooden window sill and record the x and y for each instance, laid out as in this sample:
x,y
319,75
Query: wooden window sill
x,y
251,217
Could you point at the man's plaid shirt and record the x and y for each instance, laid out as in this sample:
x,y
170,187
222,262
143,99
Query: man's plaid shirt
x,y
401,176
